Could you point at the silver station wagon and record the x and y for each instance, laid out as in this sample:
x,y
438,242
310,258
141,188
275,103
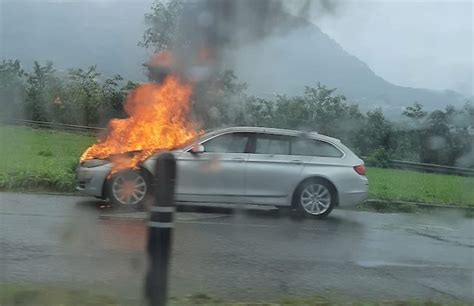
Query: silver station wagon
x,y
309,172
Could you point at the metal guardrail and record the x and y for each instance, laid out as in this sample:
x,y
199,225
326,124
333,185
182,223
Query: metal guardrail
x,y
394,164
54,125
424,167
406,165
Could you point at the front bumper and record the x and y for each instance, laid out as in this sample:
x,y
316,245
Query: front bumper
x,y
91,181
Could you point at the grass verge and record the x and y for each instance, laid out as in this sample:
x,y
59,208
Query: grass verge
x,y
19,295
411,186
16,295
36,159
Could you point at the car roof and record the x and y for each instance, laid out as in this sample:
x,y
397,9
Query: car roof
x,y
267,130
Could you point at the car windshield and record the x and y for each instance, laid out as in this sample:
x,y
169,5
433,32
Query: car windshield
x,y
236,152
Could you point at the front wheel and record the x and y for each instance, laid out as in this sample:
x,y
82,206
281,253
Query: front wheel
x,y
315,198
128,188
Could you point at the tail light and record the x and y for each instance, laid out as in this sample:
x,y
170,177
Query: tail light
x,y
360,169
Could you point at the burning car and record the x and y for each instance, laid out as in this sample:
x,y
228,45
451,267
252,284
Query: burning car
x,y
253,165
309,172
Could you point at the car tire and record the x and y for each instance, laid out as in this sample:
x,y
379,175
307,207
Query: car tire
x,y
129,188
314,198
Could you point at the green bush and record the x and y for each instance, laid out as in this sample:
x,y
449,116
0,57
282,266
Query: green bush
x,y
378,158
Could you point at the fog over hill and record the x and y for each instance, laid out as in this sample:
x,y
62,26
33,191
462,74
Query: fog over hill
x,y
106,33
308,56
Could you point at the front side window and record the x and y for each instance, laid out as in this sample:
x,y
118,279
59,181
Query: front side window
x,y
228,143
313,147
272,144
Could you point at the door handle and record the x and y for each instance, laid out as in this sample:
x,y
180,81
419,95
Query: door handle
x,y
238,159
297,161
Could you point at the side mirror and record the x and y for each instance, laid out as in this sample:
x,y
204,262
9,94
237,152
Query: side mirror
x,y
197,148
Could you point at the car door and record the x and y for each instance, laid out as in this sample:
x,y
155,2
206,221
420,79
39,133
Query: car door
x,y
271,170
217,174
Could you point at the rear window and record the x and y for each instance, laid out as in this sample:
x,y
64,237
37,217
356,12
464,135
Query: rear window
x,y
313,147
272,144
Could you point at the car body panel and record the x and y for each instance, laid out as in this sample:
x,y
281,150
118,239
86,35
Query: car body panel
x,y
91,180
344,178
271,177
211,177
250,178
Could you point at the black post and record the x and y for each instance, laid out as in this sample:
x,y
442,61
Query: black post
x,y
160,230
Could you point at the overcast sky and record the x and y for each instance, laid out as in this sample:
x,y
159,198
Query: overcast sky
x,y
423,43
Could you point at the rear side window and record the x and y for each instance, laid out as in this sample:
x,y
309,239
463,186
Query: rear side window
x,y
272,144
313,147
227,143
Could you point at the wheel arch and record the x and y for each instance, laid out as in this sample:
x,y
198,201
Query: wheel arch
x,y
315,177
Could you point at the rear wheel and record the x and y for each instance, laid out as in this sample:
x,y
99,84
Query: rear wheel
x,y
128,189
315,198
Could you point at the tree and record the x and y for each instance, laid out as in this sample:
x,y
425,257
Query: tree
x,y
93,101
415,111
435,139
325,109
113,97
469,111
292,112
376,133
319,109
163,26
43,87
259,112
84,96
12,88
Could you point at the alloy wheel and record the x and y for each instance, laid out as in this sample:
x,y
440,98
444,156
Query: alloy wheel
x,y
315,199
129,188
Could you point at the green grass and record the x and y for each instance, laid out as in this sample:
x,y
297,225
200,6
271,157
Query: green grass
x,y
403,185
17,295
35,159
39,295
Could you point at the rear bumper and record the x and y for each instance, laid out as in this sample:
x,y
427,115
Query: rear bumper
x,y
91,181
352,198
354,193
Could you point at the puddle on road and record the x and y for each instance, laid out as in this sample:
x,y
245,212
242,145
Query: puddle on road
x,y
441,234
143,216
381,263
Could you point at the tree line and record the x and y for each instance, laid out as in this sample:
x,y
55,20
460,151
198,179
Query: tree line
x,y
76,96
85,96
444,137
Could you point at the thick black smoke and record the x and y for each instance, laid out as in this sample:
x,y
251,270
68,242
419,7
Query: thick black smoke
x,y
209,30
218,24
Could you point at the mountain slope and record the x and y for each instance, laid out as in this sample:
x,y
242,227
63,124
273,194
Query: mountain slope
x,y
308,56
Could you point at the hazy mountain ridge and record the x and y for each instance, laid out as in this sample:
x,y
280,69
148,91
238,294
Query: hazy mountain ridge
x,y
308,56
76,34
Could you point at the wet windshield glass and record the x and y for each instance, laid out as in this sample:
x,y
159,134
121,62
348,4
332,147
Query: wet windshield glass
x,y
236,152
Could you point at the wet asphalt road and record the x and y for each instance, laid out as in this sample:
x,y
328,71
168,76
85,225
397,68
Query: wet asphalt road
x,y
250,255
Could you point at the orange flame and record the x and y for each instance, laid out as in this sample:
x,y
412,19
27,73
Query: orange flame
x,y
157,120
